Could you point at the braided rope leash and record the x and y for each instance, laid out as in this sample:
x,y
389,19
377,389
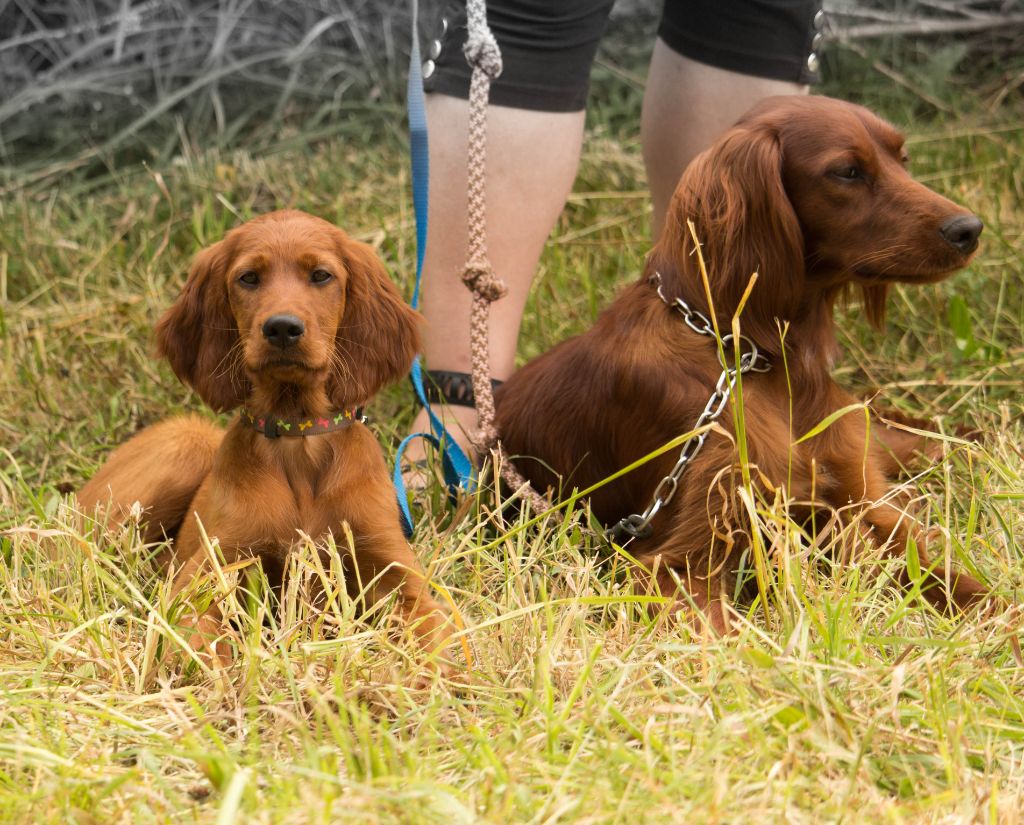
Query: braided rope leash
x,y
482,53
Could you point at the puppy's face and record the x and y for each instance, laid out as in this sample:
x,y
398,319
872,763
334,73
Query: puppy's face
x,y
287,286
284,301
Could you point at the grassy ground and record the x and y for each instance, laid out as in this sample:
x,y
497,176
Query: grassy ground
x,y
839,699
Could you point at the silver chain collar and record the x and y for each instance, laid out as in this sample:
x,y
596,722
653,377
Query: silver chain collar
x,y
638,525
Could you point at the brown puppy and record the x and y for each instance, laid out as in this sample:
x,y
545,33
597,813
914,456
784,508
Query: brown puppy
x,y
301,324
812,194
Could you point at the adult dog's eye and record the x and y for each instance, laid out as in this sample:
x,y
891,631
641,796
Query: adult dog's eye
x,y
848,173
249,278
320,276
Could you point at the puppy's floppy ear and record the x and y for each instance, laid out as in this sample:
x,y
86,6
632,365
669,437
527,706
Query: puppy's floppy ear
x,y
735,196
378,335
198,333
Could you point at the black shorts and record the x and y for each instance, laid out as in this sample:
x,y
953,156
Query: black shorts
x,y
548,46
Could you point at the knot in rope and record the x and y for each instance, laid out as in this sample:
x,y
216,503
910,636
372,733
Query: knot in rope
x,y
481,280
482,52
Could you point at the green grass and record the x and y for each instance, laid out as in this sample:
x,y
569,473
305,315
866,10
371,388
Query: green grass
x,y
840,699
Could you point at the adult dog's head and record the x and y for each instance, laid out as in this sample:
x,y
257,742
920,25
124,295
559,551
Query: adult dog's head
x,y
812,194
288,309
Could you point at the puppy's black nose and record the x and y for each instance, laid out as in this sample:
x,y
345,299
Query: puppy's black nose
x,y
283,330
962,232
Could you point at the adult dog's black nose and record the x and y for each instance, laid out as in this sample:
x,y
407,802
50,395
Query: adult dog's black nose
x,y
962,232
283,330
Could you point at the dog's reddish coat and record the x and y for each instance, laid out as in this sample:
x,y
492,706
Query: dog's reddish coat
x,y
775,195
255,494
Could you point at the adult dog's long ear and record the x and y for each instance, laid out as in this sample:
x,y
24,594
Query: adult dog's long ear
x,y
745,223
378,335
198,334
874,298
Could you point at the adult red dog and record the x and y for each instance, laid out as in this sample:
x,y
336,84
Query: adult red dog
x,y
813,195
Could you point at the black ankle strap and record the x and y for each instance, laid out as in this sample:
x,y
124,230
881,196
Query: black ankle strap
x,y
452,388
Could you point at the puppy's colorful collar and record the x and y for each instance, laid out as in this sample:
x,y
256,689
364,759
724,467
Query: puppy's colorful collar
x,y
278,426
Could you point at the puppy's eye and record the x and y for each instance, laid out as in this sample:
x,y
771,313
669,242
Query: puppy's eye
x,y
320,276
848,173
249,278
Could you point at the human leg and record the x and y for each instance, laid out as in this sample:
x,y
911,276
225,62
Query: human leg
x,y
686,106
531,164
711,62
535,130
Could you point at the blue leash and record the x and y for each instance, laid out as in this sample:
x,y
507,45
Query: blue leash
x,y
458,469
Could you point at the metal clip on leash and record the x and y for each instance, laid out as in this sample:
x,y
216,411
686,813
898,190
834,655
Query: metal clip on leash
x,y
638,525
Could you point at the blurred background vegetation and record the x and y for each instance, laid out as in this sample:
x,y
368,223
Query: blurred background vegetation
x,y
92,83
